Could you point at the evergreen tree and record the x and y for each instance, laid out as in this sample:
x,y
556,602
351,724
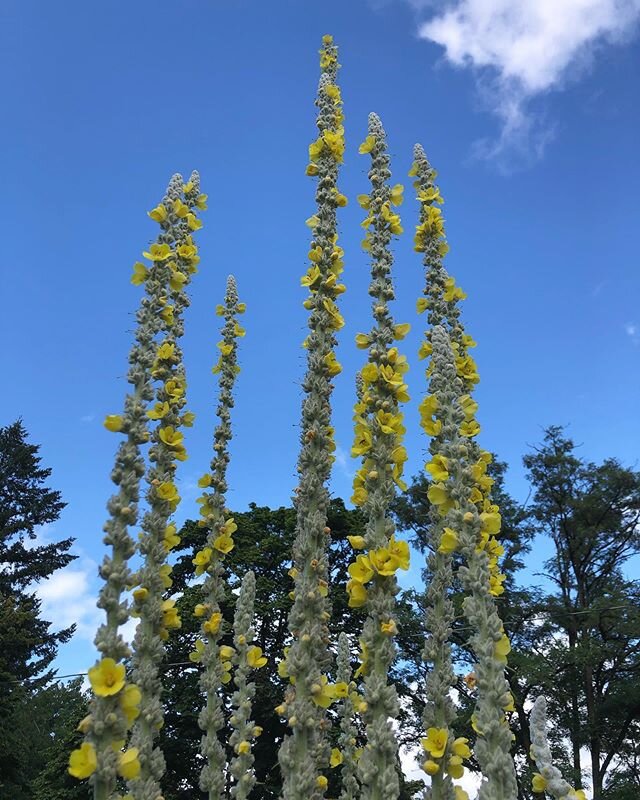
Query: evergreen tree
x,y
27,643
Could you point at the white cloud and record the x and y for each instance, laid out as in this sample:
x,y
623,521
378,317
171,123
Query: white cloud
x,y
69,598
520,49
633,332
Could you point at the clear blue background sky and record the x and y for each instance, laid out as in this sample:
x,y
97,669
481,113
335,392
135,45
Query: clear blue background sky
x,y
103,102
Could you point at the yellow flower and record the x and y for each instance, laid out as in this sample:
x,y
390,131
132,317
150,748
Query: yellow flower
x,y
357,594
130,702
140,274
114,423
202,560
140,595
255,658
167,491
396,194
400,331
170,617
362,441
448,541
491,522
188,252
361,571
538,784
196,655
322,782
435,742
469,428
502,648
158,214
204,481
437,468
212,625
383,562
193,222
357,542
171,539
158,252
332,365
340,199
460,793
323,693
399,550
223,543
179,208
226,652
368,145
425,350
422,304
389,628
439,496
430,767
454,767
311,170
83,762
242,748
158,411
336,758
107,677
201,201
128,764
460,747
170,436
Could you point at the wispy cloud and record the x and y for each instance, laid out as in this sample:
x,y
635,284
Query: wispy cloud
x,y
633,332
87,418
519,51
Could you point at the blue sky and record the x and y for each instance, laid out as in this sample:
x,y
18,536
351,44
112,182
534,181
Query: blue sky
x,y
532,122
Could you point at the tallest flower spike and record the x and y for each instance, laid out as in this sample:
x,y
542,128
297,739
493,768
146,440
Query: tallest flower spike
x,y
464,521
379,432
305,751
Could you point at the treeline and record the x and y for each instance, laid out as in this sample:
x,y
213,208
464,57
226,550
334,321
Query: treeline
x,y
575,637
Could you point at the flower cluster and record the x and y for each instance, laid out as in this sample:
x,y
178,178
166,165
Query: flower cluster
x,y
378,437
220,527
305,751
464,520
246,658
151,359
175,258
549,779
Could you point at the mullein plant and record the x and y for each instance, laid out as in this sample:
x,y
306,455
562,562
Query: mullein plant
x,y
346,754
549,779
178,255
220,526
379,432
305,753
246,657
115,702
464,521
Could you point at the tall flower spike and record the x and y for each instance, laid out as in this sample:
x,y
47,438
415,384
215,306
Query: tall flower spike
x,y
549,779
465,521
439,712
246,658
379,432
305,750
157,616
220,526
346,754
115,703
